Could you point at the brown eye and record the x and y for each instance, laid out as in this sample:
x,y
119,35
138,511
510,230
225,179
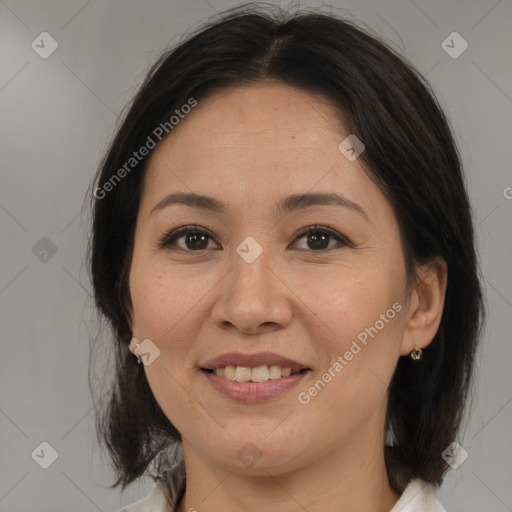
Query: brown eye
x,y
189,239
193,239
196,241
320,239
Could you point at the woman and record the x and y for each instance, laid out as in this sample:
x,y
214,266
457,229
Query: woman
x,y
283,240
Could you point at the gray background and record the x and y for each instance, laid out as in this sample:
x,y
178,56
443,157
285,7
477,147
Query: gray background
x,y
57,115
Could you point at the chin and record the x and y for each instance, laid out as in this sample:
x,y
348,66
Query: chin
x,y
258,459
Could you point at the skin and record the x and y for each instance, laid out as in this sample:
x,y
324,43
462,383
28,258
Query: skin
x,y
249,147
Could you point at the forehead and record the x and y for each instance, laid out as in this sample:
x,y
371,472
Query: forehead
x,y
258,142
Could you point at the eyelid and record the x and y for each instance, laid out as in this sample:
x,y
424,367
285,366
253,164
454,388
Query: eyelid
x,y
171,236
324,229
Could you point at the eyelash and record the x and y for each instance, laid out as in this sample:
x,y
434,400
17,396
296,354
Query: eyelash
x,y
169,238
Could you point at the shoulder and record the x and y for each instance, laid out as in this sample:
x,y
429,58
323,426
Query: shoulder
x,y
153,502
418,496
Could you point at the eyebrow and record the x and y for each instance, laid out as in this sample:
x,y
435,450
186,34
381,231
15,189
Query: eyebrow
x,y
295,202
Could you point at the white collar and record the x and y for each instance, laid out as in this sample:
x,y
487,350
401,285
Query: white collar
x,y
154,502
418,496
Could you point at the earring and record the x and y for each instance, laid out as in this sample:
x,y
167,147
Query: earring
x,y
416,353
134,347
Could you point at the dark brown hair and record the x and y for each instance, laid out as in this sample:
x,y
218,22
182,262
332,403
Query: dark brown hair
x,y
411,155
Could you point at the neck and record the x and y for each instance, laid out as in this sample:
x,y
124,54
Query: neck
x,y
347,479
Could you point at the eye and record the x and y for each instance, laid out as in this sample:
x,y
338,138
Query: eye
x,y
319,238
186,238
196,239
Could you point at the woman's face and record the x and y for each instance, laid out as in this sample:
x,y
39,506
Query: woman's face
x,y
258,277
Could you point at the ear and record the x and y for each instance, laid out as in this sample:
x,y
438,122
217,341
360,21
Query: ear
x,y
132,347
133,328
426,303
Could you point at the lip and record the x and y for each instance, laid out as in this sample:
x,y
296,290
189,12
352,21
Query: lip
x,y
252,361
253,392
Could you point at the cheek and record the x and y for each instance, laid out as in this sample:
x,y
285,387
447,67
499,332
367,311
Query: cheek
x,y
168,309
362,321
348,300
165,300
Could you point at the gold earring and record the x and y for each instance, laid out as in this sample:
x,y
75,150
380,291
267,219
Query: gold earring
x,y
416,353
134,345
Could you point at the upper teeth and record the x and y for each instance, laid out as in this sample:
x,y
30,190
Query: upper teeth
x,y
257,374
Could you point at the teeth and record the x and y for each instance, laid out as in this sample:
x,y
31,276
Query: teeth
x,y
242,374
229,372
274,372
257,374
286,372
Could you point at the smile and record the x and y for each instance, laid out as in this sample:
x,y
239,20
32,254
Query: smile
x,y
248,391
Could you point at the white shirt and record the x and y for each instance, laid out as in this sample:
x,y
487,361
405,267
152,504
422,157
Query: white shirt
x,y
418,496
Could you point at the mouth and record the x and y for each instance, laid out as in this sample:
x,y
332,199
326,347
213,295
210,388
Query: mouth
x,y
248,391
258,367
261,373
253,378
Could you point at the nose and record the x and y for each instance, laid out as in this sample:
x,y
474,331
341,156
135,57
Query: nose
x,y
253,297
